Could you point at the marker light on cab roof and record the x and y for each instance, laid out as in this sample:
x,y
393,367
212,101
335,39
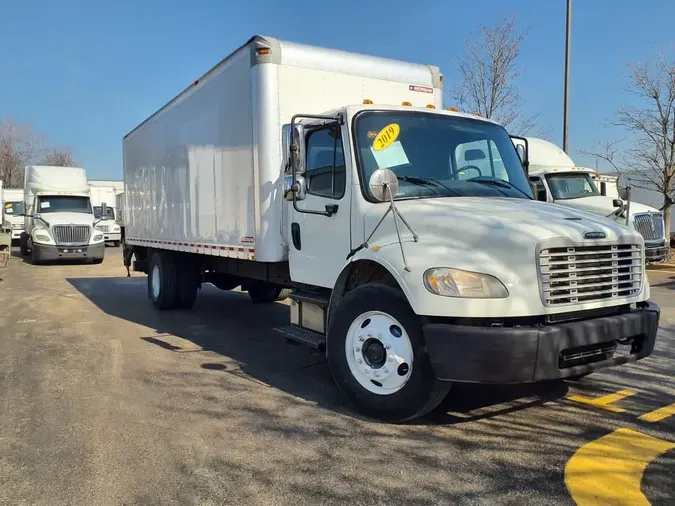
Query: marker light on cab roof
x,y
453,109
367,101
431,106
407,104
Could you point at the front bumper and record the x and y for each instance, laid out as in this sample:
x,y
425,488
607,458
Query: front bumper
x,y
49,252
538,353
112,236
656,253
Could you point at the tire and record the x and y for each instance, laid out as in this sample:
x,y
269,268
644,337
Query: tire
x,y
187,283
116,244
162,281
399,397
261,293
23,245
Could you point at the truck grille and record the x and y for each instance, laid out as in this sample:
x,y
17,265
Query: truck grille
x,y
649,225
71,234
576,274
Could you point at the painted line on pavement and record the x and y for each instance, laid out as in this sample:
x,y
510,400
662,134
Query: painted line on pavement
x,y
608,470
658,414
606,401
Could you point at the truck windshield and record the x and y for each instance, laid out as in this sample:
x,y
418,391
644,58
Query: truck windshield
x,y
437,155
571,185
14,208
110,213
63,204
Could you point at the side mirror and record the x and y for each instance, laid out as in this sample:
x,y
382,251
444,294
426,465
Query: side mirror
x,y
286,141
104,211
617,202
299,187
383,185
297,149
522,150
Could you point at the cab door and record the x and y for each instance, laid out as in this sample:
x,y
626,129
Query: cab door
x,y
320,235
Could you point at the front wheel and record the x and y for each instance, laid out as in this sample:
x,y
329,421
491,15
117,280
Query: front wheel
x,y
377,356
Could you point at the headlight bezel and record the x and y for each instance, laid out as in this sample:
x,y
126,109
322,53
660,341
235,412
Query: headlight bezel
x,y
491,286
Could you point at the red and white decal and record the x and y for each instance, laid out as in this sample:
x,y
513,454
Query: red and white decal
x,y
217,250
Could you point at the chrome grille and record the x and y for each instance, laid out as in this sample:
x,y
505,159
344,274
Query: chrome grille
x,y
649,225
71,234
578,274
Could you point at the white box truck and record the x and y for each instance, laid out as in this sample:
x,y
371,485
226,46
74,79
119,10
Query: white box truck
x,y
12,211
338,176
106,195
556,178
59,219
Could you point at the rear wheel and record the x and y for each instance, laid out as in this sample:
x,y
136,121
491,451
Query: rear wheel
x,y
377,356
162,281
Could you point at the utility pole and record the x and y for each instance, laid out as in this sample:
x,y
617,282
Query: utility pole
x,y
567,75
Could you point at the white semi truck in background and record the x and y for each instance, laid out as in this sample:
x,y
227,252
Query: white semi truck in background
x,y
106,195
59,219
555,178
338,176
12,211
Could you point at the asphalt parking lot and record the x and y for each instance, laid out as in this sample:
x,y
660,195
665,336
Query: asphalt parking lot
x,y
106,401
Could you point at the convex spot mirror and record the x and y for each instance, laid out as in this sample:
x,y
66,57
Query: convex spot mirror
x,y
617,202
382,184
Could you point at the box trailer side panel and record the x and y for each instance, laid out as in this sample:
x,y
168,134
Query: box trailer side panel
x,y
188,170
203,174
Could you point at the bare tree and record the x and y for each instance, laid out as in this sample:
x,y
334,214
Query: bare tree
x,y
59,157
649,160
489,73
19,146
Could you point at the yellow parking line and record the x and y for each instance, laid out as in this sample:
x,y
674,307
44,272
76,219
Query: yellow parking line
x,y
606,401
658,414
608,470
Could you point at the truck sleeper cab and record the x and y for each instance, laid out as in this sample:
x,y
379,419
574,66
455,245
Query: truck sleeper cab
x,y
411,266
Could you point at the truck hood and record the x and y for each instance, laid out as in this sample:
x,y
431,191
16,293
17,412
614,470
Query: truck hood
x,y
69,218
497,236
603,205
470,220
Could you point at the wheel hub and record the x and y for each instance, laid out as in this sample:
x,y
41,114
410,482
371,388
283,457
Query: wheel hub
x,y
379,353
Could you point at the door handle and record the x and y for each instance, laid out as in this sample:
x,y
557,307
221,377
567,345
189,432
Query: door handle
x,y
295,236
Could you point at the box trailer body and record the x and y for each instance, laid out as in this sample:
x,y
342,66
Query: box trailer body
x,y
192,160
101,194
558,179
338,177
59,221
12,211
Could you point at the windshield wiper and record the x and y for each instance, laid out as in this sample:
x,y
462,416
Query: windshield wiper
x,y
498,182
426,181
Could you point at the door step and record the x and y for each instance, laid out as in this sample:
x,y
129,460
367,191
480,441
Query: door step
x,y
303,336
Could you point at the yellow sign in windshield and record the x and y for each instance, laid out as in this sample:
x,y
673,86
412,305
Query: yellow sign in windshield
x,y
386,137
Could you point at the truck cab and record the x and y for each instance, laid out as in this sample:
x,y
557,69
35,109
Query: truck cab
x,y
59,220
556,179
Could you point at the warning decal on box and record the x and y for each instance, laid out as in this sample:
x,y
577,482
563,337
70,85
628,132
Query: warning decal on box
x,y
422,89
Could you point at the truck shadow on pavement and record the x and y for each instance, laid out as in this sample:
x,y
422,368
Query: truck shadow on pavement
x,y
243,333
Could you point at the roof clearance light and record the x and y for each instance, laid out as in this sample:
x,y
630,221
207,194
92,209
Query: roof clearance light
x,y
431,106
479,115
453,109
367,101
408,104
263,50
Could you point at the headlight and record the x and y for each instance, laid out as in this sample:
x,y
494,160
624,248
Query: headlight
x,y
42,237
98,237
455,283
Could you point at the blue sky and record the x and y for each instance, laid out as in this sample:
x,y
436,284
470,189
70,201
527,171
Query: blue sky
x,y
85,73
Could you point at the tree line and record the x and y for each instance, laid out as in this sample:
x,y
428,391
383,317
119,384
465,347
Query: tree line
x,y
487,84
21,146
